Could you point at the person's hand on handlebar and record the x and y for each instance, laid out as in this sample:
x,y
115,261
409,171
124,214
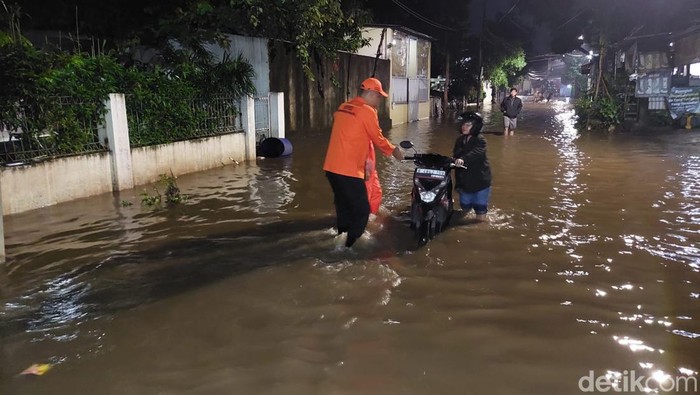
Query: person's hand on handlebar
x,y
397,153
459,162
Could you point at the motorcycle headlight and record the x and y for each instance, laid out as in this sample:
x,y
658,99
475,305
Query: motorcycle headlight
x,y
427,196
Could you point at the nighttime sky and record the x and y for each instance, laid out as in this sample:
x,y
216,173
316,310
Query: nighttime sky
x,y
493,7
495,10
516,18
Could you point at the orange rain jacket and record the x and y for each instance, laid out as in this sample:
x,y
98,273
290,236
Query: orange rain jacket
x,y
355,125
374,188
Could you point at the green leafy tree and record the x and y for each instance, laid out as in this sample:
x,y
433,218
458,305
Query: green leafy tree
x,y
504,71
503,56
317,28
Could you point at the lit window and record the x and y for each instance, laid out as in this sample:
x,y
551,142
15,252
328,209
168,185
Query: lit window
x,y
695,69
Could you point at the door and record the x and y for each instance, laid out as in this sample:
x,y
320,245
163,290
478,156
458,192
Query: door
x,y
413,88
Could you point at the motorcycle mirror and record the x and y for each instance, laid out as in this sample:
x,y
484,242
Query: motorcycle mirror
x,y
406,144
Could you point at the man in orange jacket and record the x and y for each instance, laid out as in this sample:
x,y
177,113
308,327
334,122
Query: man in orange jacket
x,y
355,124
374,188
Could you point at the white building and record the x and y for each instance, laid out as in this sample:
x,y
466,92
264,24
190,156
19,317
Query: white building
x,y
409,54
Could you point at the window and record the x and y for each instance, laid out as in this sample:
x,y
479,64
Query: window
x,y
399,55
423,58
695,69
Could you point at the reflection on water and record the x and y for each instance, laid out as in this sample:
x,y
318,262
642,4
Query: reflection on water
x,y
681,215
589,263
270,191
567,186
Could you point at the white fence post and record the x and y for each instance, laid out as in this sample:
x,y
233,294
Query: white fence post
x,y
116,134
277,114
248,118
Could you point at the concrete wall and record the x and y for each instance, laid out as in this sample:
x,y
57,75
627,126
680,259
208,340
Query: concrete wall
x,y
24,188
47,183
424,110
185,157
311,104
60,180
399,113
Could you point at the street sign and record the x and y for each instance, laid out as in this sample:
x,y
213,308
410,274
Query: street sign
x,y
684,100
654,83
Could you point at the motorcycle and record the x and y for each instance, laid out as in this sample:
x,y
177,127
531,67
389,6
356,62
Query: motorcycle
x,y
431,196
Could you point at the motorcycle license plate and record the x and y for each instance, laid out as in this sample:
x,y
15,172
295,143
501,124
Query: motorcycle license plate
x,y
431,173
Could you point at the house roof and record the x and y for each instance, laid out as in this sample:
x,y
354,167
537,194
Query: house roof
x,y
403,29
686,32
656,40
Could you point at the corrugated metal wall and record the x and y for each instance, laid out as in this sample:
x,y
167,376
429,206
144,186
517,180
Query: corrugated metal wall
x,y
309,105
657,103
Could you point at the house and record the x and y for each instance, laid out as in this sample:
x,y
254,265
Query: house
x,y
408,53
660,66
685,49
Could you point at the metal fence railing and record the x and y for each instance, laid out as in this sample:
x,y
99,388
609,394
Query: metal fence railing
x,y
64,127
262,117
69,127
168,120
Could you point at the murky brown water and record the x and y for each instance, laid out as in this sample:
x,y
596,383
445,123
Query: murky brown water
x,y
590,262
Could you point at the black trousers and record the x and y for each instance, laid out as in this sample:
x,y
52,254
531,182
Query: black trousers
x,y
351,205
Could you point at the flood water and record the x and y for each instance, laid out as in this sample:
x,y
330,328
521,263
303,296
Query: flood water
x,y
589,264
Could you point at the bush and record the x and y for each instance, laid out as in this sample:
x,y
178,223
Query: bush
x,y
61,96
603,114
168,105
660,118
78,86
609,111
582,109
171,195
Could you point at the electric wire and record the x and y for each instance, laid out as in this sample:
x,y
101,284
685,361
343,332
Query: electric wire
x,y
511,9
422,18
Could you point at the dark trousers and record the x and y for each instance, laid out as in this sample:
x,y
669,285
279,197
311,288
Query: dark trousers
x,y
351,205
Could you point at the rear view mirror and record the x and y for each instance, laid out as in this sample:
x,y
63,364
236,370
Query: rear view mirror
x,y
406,144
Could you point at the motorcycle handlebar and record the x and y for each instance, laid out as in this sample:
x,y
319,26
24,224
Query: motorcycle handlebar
x,y
419,156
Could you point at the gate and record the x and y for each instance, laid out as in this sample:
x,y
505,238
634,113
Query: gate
x,y
262,117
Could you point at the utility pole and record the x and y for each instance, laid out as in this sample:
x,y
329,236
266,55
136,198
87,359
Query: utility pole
x,y
481,55
445,93
547,85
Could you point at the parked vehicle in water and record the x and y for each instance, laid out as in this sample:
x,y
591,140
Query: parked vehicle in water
x,y
431,196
